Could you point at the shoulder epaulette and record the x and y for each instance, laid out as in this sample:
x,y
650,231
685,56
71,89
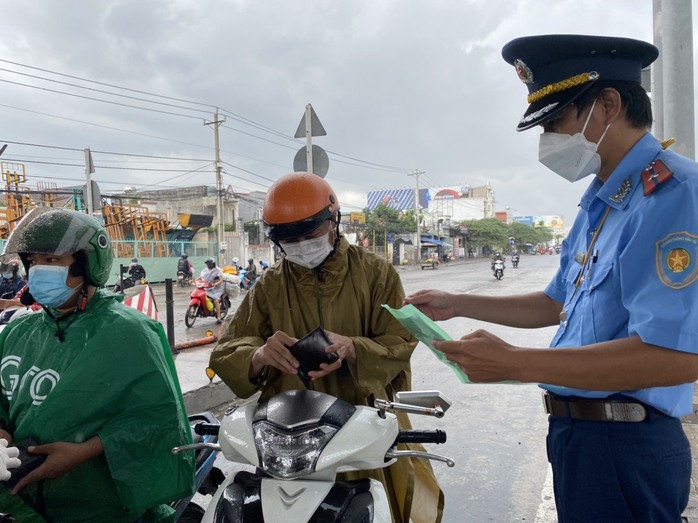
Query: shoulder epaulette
x,y
655,174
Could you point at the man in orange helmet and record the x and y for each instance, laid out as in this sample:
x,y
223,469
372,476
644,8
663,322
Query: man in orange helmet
x,y
323,281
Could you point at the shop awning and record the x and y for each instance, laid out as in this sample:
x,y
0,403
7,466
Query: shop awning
x,y
433,241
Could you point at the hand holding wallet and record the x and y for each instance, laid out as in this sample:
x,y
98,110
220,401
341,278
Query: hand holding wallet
x,y
310,353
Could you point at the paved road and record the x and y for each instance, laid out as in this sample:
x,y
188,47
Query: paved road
x,y
496,432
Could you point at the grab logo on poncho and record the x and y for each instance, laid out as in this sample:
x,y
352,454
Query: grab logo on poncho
x,y
36,382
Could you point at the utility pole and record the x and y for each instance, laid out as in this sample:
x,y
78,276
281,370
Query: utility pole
x,y
416,213
672,74
89,169
219,188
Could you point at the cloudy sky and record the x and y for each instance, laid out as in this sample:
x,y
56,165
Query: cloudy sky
x,y
399,85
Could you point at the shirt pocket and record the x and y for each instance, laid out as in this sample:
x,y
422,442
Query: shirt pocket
x,y
603,314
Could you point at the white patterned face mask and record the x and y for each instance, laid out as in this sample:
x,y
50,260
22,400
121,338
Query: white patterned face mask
x,y
571,156
308,253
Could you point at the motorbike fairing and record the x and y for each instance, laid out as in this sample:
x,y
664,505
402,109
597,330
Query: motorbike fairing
x,y
251,498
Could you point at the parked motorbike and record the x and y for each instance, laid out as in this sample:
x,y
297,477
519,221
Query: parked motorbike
x,y
498,269
207,477
300,440
183,279
515,260
201,306
126,283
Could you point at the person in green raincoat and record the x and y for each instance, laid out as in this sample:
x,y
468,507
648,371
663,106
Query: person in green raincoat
x,y
89,386
323,281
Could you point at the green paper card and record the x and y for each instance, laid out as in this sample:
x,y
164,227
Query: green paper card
x,y
425,330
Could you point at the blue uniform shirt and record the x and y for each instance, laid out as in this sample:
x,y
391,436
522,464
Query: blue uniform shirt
x,y
641,280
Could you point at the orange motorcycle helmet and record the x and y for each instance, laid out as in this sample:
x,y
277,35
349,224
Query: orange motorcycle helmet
x,y
296,205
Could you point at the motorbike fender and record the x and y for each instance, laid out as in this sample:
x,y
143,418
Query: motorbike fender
x,y
236,436
197,302
296,500
367,445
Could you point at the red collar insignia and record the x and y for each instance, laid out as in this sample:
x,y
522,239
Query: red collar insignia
x,y
655,174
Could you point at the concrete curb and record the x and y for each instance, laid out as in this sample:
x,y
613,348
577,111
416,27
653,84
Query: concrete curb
x,y
208,397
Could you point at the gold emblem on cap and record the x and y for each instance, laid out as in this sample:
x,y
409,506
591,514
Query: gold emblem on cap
x,y
524,72
563,85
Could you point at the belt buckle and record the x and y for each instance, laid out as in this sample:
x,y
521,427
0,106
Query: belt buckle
x,y
547,403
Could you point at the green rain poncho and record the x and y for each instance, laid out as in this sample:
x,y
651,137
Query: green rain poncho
x,y
112,376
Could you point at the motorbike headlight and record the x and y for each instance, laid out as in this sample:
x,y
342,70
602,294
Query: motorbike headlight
x,y
288,454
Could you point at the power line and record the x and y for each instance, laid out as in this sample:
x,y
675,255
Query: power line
x,y
100,100
94,90
104,152
107,84
246,121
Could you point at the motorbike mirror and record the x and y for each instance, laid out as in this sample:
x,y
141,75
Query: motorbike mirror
x,y
124,270
423,398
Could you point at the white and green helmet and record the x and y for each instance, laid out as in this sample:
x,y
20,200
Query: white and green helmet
x,y
63,232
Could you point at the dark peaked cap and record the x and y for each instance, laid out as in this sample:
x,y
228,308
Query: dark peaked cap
x,y
559,68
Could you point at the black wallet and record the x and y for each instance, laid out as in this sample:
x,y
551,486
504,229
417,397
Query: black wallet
x,y
29,461
310,353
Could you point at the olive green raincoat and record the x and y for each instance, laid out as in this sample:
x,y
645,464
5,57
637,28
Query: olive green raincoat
x,y
344,295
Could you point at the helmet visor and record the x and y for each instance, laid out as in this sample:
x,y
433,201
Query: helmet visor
x,y
289,231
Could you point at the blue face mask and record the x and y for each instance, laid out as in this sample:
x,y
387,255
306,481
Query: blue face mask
x,y
47,284
8,275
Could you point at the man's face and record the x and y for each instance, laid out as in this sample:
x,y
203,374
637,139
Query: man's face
x,y
566,121
58,261
320,231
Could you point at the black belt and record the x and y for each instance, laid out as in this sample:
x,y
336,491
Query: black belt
x,y
604,409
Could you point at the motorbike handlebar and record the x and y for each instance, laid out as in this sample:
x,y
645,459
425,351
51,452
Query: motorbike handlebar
x,y
421,436
206,429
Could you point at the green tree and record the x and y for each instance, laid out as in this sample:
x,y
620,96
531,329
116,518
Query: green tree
x,y
488,233
384,220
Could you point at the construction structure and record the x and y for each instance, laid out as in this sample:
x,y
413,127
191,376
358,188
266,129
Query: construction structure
x,y
131,227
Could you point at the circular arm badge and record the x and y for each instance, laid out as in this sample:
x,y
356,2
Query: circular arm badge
x,y
676,260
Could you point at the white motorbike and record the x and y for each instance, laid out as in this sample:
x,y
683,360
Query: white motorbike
x,y
299,440
499,269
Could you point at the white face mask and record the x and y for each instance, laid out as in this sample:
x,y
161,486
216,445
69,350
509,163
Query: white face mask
x,y
308,253
572,157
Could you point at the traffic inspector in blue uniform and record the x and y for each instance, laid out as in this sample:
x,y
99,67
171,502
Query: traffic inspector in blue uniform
x,y
625,297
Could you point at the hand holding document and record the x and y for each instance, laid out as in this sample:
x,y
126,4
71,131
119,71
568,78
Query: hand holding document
x,y
426,330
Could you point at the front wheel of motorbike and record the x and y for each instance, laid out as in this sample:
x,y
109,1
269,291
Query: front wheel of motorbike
x,y
192,514
225,306
190,316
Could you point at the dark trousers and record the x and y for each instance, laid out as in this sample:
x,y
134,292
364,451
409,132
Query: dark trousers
x,y
609,472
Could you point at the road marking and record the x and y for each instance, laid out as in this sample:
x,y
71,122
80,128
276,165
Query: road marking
x,y
547,512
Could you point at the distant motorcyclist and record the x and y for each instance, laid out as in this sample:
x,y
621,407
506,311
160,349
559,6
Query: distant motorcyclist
x,y
236,264
251,274
11,282
515,257
136,271
185,266
213,275
497,256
